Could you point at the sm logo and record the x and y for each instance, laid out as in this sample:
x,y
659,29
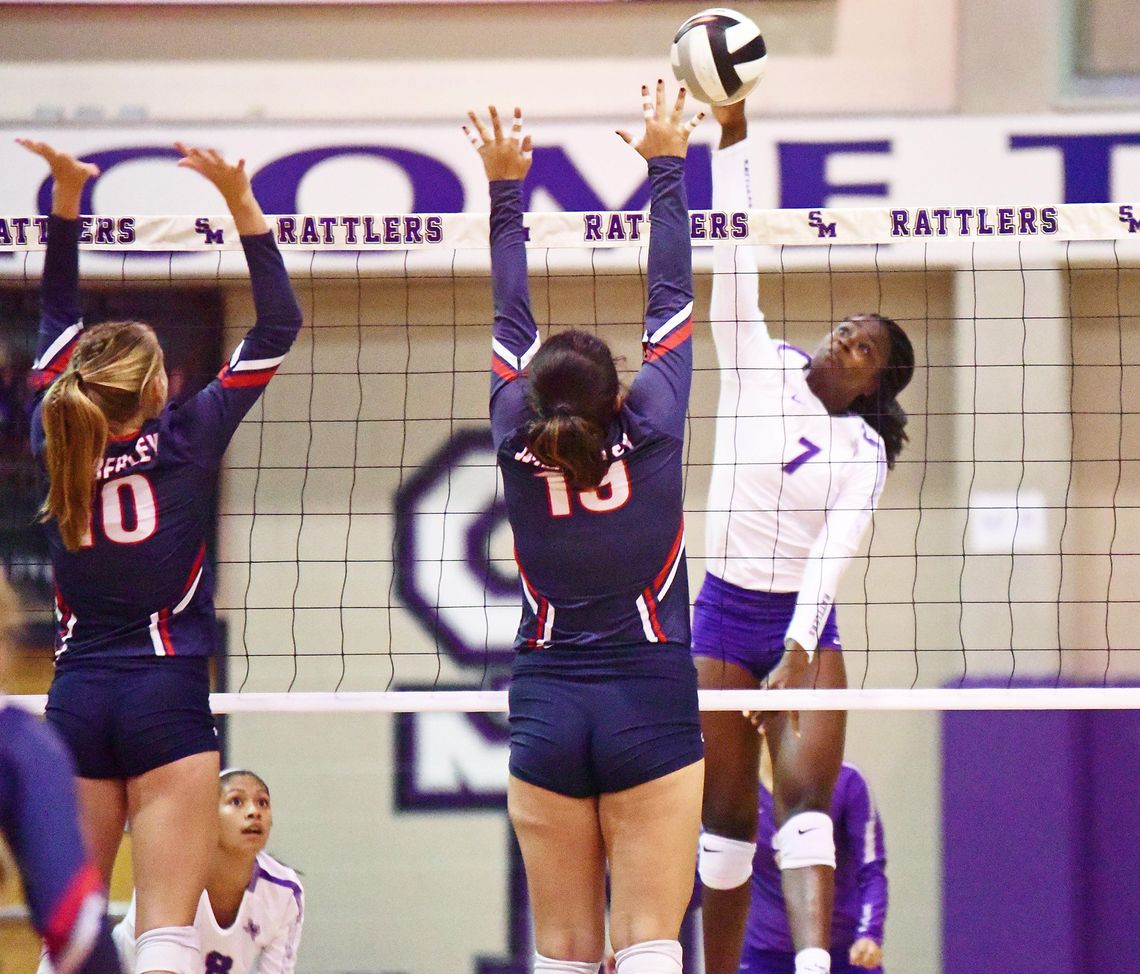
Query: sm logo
x,y
817,223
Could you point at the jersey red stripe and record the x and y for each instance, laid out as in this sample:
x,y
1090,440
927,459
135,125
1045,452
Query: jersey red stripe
x,y
671,341
670,558
57,932
651,605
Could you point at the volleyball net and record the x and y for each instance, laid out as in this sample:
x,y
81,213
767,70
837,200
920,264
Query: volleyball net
x,y
362,552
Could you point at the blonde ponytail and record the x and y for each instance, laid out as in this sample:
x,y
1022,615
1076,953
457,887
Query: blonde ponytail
x,y
115,369
75,434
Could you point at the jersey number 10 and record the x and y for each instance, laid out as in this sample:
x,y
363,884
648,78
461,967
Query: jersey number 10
x,y
611,494
115,519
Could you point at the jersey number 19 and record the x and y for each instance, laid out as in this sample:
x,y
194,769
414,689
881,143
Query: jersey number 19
x,y
611,494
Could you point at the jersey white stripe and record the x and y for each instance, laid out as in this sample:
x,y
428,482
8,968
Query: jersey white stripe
x,y
524,359
672,571
870,852
64,339
63,640
548,629
190,594
646,624
256,364
678,319
236,357
156,636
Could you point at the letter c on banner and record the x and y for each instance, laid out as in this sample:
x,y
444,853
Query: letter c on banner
x,y
435,188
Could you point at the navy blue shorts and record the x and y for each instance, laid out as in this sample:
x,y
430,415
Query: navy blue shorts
x,y
589,722
121,717
746,627
754,961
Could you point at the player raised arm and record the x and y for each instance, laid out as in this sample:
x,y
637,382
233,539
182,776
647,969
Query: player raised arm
x,y
506,160
661,389
735,317
60,318
212,416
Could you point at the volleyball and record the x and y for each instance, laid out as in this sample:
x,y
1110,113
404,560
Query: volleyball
x,y
719,55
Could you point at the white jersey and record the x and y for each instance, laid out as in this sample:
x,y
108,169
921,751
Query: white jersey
x,y
793,488
263,938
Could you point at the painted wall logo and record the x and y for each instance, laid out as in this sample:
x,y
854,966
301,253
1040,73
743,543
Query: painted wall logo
x,y
454,567
1128,218
816,222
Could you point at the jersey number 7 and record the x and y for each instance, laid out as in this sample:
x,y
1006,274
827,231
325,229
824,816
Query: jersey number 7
x,y
612,493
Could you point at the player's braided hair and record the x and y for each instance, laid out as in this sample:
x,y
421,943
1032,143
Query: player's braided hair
x,y
573,391
113,371
880,409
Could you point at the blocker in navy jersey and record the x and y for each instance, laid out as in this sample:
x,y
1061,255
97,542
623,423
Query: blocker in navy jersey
x,y
141,585
39,820
602,697
603,566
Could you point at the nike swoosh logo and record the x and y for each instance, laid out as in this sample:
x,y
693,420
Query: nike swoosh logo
x,y
814,828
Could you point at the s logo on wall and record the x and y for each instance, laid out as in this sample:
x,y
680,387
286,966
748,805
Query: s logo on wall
x,y
449,515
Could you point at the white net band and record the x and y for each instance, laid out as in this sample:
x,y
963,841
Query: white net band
x,y
495,701
458,231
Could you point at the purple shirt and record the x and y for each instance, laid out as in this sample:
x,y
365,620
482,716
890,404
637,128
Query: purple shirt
x,y
631,525
142,585
39,817
860,871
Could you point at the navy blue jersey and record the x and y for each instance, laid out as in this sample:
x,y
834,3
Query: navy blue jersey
x,y
141,584
39,819
603,566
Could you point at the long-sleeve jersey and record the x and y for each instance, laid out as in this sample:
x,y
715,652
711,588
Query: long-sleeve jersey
x,y
141,583
264,936
603,566
860,871
39,817
792,487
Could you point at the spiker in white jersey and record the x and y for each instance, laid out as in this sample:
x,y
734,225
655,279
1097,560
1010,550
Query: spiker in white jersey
x,y
719,54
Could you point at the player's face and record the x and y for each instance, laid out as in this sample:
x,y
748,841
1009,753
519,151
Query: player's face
x,y
246,815
851,358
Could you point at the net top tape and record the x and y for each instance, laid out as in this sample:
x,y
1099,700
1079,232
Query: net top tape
x,y
461,231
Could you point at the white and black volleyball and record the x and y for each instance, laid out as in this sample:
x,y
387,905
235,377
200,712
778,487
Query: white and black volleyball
x,y
719,55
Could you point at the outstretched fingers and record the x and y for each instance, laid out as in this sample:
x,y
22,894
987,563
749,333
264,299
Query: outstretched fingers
x,y
647,110
64,167
505,155
481,129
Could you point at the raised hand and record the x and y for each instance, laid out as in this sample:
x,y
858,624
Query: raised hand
x,y
665,133
506,157
231,180
69,176
733,124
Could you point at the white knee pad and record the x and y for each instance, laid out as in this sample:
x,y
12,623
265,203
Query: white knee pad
x,y
650,957
168,949
724,863
547,965
807,839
